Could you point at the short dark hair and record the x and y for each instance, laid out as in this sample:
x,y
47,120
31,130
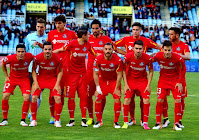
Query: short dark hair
x,y
20,45
167,43
82,31
60,18
95,21
139,42
48,43
108,43
176,30
137,24
41,20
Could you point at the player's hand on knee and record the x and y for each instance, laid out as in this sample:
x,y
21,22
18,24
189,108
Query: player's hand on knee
x,y
35,87
117,92
126,87
179,86
148,88
58,88
7,79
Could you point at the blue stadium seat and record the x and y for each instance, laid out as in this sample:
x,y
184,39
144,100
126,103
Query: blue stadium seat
x,y
5,49
154,21
150,22
1,48
158,42
170,9
90,5
159,22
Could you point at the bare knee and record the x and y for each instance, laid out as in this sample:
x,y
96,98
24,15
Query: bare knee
x,y
127,101
6,96
161,100
34,99
26,97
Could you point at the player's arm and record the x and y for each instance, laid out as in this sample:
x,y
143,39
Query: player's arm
x,y
34,76
4,68
37,43
120,43
126,86
96,78
186,56
150,77
118,83
57,51
120,51
59,76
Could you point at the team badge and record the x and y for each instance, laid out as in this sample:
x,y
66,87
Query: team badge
x,y
5,59
170,63
141,64
51,64
101,43
111,65
178,49
25,63
43,40
84,49
64,36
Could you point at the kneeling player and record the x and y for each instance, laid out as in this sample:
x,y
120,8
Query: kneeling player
x,y
110,67
19,63
135,81
48,63
172,70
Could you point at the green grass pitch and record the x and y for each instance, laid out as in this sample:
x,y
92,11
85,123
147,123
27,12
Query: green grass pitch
x,y
47,131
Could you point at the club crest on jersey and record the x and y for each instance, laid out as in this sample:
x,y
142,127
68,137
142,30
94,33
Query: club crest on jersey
x,y
178,49
43,40
64,36
5,59
141,64
51,64
84,49
170,63
101,43
111,65
25,63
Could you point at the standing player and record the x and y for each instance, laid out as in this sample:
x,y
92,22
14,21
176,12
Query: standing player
x,y
136,82
97,40
48,63
32,45
172,71
78,50
19,63
182,49
128,42
59,37
110,68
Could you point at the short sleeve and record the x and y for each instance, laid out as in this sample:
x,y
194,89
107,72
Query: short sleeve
x,y
96,65
120,66
150,43
7,60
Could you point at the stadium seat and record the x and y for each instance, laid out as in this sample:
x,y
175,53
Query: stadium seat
x,y
5,49
159,22
1,49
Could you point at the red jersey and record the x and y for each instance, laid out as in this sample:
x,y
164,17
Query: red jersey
x,y
18,68
136,68
48,67
180,48
108,68
78,55
170,69
59,39
128,43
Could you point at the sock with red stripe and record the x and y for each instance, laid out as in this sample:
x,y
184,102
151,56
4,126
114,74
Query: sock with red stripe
x,y
52,105
90,106
83,106
71,108
5,108
178,112
146,108
34,110
141,108
165,108
183,107
132,109
117,110
103,104
126,112
25,108
159,111
58,110
98,111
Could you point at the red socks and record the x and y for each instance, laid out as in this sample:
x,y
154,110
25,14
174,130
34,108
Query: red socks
x,y
5,107
117,110
165,108
103,104
178,111
83,106
52,105
146,110
34,110
71,108
125,112
98,111
25,108
132,109
141,108
90,106
58,110
159,111
183,107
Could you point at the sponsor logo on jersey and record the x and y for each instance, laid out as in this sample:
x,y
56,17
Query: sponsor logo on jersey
x,y
75,54
51,63
98,48
60,41
55,35
64,36
84,49
131,42
130,48
91,42
25,63
101,43
77,49
133,63
5,59
170,63
103,64
42,63
178,48
141,64
111,65
43,40
162,62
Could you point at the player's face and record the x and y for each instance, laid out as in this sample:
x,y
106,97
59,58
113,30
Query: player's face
x,y
167,51
60,25
172,35
136,31
47,51
86,37
40,27
138,49
108,50
20,53
96,29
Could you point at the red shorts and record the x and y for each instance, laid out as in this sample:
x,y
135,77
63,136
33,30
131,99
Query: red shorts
x,y
137,88
24,85
46,83
107,87
77,82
